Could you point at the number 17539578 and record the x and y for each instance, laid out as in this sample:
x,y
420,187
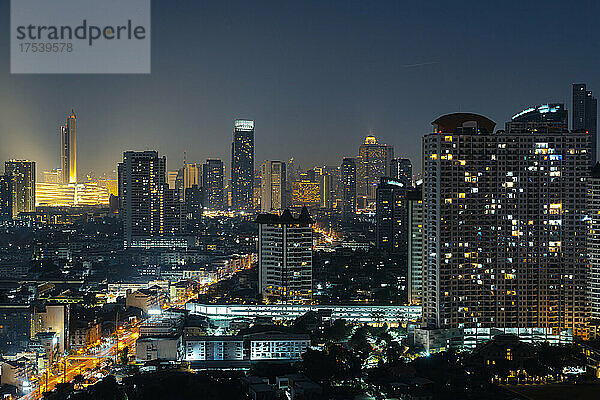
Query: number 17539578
x,y
28,47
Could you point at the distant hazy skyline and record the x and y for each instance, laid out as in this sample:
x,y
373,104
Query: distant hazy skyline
x,y
316,76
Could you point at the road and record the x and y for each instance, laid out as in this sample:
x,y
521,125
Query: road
x,y
80,363
83,364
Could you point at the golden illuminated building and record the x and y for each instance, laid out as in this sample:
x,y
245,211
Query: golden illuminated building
x,y
306,193
112,185
69,195
373,162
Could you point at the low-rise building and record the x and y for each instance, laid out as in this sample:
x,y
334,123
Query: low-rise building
x,y
166,348
18,373
148,300
52,318
370,314
277,346
214,348
85,334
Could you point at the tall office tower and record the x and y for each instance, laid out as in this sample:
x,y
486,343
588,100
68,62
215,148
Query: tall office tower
x,y
326,191
285,257
391,217
212,184
142,186
68,149
273,186
401,169
585,116
415,245
173,212
593,241
504,225
348,184
192,175
22,176
5,197
242,165
193,203
172,179
292,170
374,160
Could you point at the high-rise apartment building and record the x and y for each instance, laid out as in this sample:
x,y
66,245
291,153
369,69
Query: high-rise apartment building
x,y
212,184
22,176
415,245
391,217
585,116
373,162
285,256
5,197
504,238
593,242
401,169
242,165
348,186
149,208
273,186
68,149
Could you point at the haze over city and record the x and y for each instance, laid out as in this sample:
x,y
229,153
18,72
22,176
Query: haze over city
x,y
315,76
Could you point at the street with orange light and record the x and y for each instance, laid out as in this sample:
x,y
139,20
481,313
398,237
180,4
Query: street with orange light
x,y
88,363
92,360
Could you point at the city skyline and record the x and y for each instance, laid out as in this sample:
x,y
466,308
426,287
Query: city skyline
x,y
404,84
301,200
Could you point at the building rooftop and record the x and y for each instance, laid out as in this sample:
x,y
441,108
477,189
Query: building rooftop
x,y
449,123
286,218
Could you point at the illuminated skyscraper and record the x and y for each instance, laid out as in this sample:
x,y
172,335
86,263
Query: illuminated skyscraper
x,y
348,186
212,181
373,162
172,178
401,169
242,165
5,198
68,149
585,116
326,191
504,224
22,175
272,186
192,175
391,217
149,208
285,256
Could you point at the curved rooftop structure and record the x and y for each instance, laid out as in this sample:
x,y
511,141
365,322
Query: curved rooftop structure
x,y
544,112
451,122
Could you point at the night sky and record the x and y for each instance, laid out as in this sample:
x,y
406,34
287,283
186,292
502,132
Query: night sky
x,y
316,77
